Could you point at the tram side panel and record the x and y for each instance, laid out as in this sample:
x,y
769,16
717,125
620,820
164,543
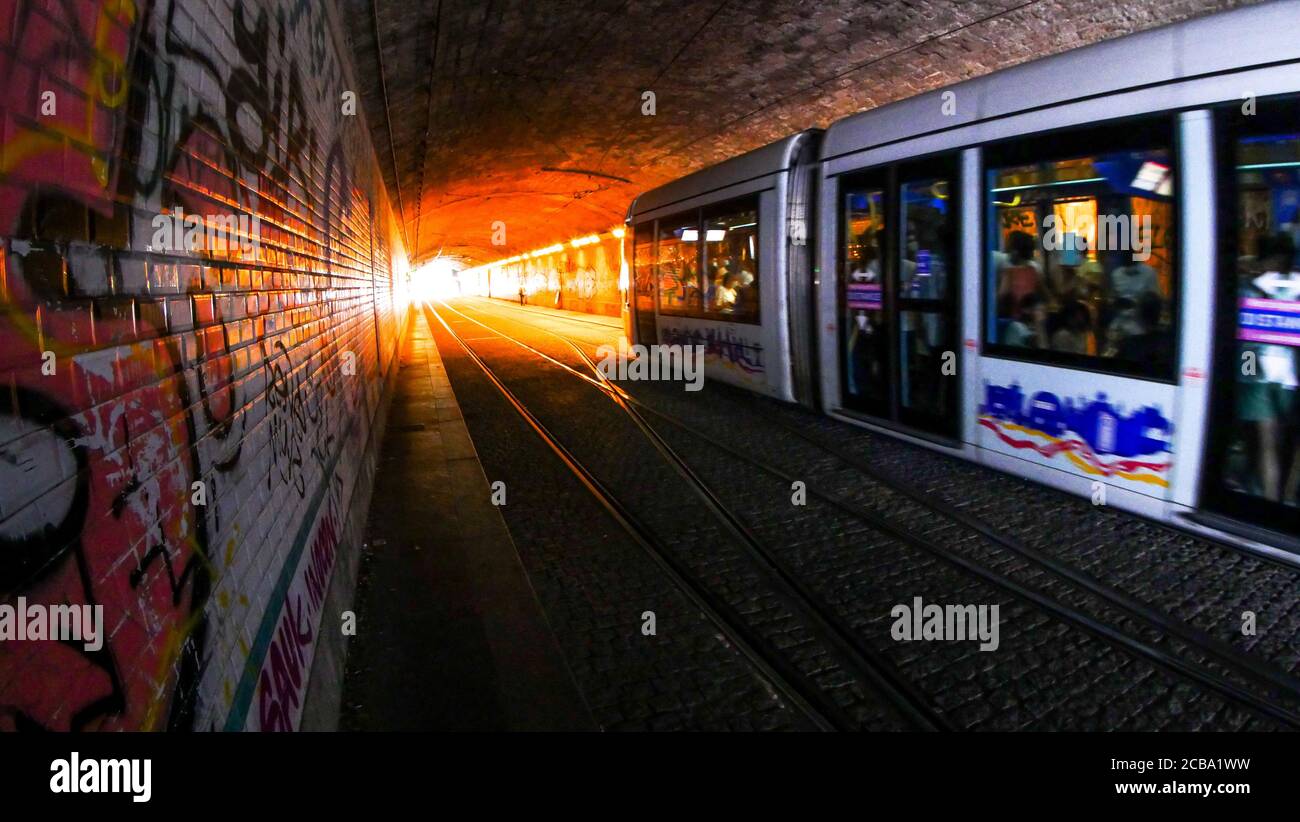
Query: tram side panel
x,y
1067,405
750,354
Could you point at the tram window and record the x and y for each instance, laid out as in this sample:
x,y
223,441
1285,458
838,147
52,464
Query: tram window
x,y
1080,266
865,344
1263,448
643,266
710,273
923,274
731,261
925,218
678,265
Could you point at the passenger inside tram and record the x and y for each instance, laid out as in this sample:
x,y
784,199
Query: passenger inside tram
x,y
867,354
1074,332
1152,341
730,250
731,290
865,341
1027,326
1129,283
1267,381
867,268
1084,316
723,291
1020,274
1260,413
1089,238
679,286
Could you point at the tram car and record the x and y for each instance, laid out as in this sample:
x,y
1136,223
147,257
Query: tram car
x,y
1092,284
723,258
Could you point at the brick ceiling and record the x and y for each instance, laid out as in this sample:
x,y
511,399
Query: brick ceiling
x,y
529,111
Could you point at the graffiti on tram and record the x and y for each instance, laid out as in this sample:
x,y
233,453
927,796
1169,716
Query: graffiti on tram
x,y
1096,436
722,345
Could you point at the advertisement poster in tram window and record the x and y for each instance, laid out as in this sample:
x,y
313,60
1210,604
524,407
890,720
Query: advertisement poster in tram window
x,y
733,352
1115,430
863,296
1022,218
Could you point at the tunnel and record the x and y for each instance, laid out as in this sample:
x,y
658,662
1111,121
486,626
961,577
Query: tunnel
x,y
644,365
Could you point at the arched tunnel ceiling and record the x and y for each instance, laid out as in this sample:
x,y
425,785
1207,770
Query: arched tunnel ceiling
x,y
530,111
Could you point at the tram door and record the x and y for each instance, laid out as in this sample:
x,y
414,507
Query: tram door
x,y
900,279
1253,470
643,283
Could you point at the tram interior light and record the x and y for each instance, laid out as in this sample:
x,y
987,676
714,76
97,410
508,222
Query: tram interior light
x,y
1153,177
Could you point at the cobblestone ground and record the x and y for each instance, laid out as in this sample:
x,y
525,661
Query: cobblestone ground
x,y
608,443
594,584
1047,673
1200,582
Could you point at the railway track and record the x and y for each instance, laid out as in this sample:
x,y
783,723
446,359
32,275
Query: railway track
x,y
1277,686
818,705
1263,673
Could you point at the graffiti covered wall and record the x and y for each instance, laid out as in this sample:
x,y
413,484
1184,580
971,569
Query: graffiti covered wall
x,y
184,426
583,279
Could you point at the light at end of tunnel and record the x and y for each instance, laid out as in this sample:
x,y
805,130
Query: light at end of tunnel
x,y
436,279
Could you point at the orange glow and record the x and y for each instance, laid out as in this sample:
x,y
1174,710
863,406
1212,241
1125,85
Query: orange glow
x,y
617,233
1079,217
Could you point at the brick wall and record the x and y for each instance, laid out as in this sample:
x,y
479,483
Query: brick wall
x,y
187,433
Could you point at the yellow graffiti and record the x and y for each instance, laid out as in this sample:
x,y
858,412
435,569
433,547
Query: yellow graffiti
x,y
1128,475
1083,465
171,649
105,66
